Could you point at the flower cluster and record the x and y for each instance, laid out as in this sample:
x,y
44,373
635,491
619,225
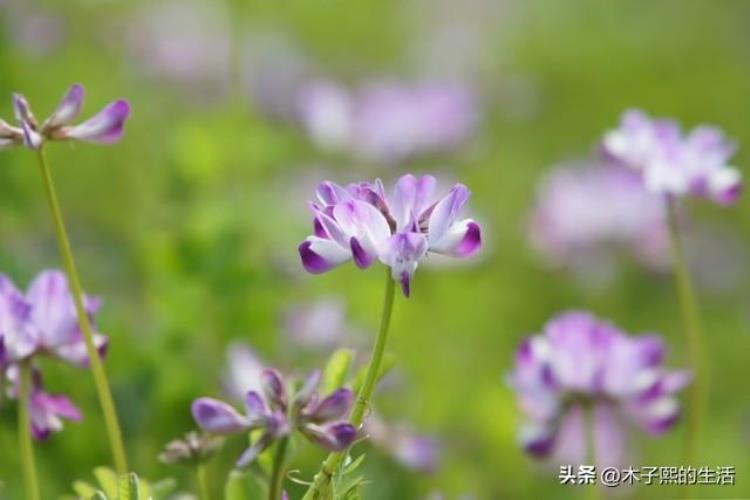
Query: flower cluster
x,y
105,127
40,322
278,413
581,363
360,222
388,121
584,212
672,163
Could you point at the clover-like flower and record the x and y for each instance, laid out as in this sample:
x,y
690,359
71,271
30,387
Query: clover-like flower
x,y
580,363
360,222
674,164
388,121
44,321
583,213
105,127
46,410
277,415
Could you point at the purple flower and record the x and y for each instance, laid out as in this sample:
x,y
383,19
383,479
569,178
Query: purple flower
x,y
361,223
585,212
673,163
319,324
46,411
388,121
415,451
105,127
277,413
580,362
243,371
44,320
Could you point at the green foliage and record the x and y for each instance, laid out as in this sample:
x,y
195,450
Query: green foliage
x,y
109,486
336,370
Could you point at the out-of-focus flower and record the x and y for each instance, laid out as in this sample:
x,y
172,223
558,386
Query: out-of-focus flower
x,y
46,411
580,364
320,324
675,164
185,42
587,211
415,451
105,127
44,320
278,413
388,122
191,449
360,222
242,373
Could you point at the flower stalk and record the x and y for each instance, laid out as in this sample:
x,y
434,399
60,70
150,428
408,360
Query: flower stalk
x,y
277,474
100,377
333,461
693,336
31,486
202,472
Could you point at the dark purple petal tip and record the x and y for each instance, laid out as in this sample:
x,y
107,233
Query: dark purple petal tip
x,y
471,242
312,262
360,255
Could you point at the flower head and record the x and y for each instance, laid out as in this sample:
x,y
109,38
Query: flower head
x,y
193,448
388,121
277,413
673,163
105,127
44,320
361,223
580,362
585,212
46,411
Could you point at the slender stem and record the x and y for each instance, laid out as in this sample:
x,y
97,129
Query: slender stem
x,y
277,474
693,336
31,486
97,368
590,423
331,463
203,482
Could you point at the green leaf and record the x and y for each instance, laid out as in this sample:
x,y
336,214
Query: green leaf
x,y
129,487
336,370
84,489
98,495
162,488
107,479
243,486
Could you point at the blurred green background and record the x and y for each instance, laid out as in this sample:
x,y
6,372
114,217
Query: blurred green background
x,y
188,228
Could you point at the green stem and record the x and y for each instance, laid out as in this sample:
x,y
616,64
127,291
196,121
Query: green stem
x,y
97,368
332,462
31,486
277,474
203,482
693,336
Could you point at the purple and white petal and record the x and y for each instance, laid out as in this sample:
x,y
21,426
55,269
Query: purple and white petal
x,y
106,127
367,225
249,455
725,185
67,111
402,253
446,211
321,255
53,313
332,437
334,406
461,239
273,388
217,417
